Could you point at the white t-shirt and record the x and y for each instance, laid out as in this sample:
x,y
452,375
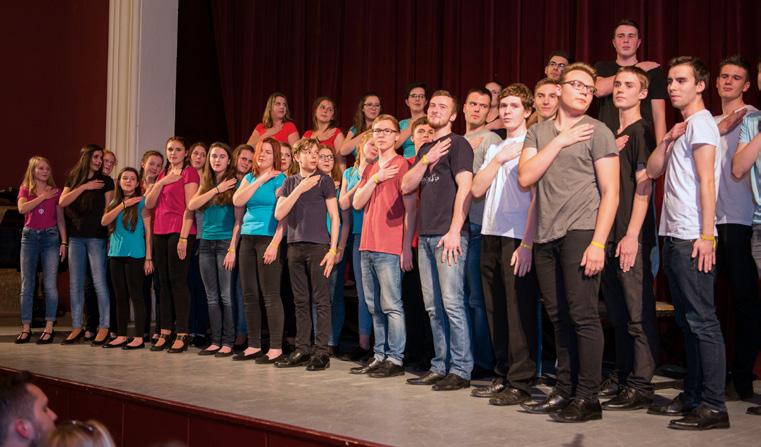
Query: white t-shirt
x,y
735,202
681,214
505,206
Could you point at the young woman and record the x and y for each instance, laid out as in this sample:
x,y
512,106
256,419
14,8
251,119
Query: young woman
x,y
367,155
276,122
109,162
327,165
260,264
84,198
286,158
150,168
198,153
369,108
325,127
43,240
415,99
173,238
492,116
219,238
129,255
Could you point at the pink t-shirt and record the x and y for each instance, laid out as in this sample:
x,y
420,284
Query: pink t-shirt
x,y
43,215
282,136
170,208
383,224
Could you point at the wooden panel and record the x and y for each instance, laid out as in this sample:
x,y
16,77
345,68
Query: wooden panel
x,y
145,424
206,432
92,404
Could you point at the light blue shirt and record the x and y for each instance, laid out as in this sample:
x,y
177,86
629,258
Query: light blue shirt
x,y
259,219
408,147
751,126
351,176
125,243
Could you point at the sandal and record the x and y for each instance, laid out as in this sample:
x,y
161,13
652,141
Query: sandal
x,y
23,337
185,339
46,338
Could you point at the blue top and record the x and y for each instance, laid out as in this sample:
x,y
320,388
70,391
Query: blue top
x,y
351,176
125,243
750,127
259,219
408,147
340,215
218,222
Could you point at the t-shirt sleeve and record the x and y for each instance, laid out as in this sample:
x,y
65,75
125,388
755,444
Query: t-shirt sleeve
x,y
490,154
327,188
190,175
461,157
603,143
290,128
108,184
260,129
249,177
287,187
639,151
749,128
531,139
657,87
699,132
23,193
403,168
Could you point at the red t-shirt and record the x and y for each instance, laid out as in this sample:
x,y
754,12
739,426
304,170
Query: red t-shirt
x,y
170,207
330,142
44,215
282,136
383,224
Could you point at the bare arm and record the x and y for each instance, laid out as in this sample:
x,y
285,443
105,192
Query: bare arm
x,y
410,216
745,157
413,177
482,181
25,205
704,156
606,171
344,202
628,246
350,142
604,86
403,135
658,106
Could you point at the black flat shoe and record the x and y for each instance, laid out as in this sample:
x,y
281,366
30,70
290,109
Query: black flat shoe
x,y
497,385
160,347
319,362
127,347
208,351
510,396
264,360
429,378
450,383
185,339
71,340
756,411
553,403
610,386
23,337
628,399
388,369
579,410
100,342
241,357
46,338
675,407
117,345
221,354
701,418
370,367
294,359
89,338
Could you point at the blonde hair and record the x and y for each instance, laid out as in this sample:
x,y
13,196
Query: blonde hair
x,y
29,182
267,115
364,137
80,434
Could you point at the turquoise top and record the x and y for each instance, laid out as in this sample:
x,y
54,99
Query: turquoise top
x,y
351,176
259,219
218,222
408,147
750,127
125,243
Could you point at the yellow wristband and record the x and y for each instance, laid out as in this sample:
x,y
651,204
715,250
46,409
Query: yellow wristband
x,y
526,246
708,238
231,250
333,251
424,160
597,244
375,179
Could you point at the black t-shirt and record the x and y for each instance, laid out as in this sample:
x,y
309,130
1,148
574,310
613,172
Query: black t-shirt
x,y
438,187
83,214
307,221
633,156
607,111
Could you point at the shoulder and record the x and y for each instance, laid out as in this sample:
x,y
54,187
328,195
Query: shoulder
x,y
190,175
599,127
249,177
289,126
260,128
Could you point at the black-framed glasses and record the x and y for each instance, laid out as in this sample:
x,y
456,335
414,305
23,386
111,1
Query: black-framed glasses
x,y
557,65
580,86
327,157
386,132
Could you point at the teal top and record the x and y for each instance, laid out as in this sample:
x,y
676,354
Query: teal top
x,y
351,177
408,147
125,243
259,219
218,222
750,127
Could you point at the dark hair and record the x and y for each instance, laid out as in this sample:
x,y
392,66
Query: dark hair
x,y
480,91
494,81
148,154
360,124
422,121
413,85
186,161
209,178
627,22
562,54
739,61
129,215
15,400
333,122
80,171
699,68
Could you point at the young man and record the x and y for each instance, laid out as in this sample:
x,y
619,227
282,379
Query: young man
x,y
443,173
385,248
734,217
480,138
509,283
545,101
573,163
688,156
556,63
627,281
492,116
748,159
415,98
305,199
25,418
626,40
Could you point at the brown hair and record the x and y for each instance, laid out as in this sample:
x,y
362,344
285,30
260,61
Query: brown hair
x,y
129,215
209,178
577,66
455,103
644,82
699,68
521,91
267,115
275,154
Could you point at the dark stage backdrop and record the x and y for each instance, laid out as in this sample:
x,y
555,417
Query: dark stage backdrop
x,y
343,48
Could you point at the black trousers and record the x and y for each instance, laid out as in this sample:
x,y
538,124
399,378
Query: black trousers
x,y
630,300
510,310
308,281
173,279
419,346
571,301
261,281
286,293
128,275
151,282
735,260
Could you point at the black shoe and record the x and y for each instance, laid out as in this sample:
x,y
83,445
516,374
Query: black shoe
x,y
209,351
296,358
429,378
333,351
610,387
127,347
221,354
497,385
167,340
117,345
370,367
185,339
71,340
510,396
46,338
579,410
106,338
675,407
553,403
264,360
89,338
23,337
628,399
756,411
357,354
450,383
701,418
319,362
387,369
241,357
238,348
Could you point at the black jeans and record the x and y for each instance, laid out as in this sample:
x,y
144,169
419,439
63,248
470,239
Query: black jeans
x,y
173,277
510,310
128,275
286,293
308,281
261,281
151,282
630,300
571,300
735,259
419,346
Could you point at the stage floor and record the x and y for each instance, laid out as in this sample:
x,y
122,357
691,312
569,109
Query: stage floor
x,y
386,411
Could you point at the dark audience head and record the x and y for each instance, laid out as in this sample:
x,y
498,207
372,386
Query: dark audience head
x,y
25,419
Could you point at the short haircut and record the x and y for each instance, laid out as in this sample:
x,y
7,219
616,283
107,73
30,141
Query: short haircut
x,y
627,22
494,81
560,53
521,91
699,68
15,401
422,121
577,66
455,107
387,117
739,61
544,81
413,85
480,91
644,82
304,144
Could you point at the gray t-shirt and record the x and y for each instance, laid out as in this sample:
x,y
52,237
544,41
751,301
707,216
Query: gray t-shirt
x,y
306,221
567,196
488,138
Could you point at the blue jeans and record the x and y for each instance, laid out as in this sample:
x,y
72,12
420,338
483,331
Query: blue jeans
x,y
444,297
217,281
365,320
382,284
692,294
81,251
39,246
474,294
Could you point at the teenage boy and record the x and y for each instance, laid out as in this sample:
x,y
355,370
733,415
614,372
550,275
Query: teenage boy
x,y
556,63
626,40
509,283
688,156
627,281
545,101
734,217
480,138
573,163
415,99
443,174
304,200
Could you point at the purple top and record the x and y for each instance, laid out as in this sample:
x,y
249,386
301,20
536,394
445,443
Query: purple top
x,y
43,215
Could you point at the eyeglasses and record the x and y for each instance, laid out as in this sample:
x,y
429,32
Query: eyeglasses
x,y
554,64
419,96
386,132
580,86
372,105
327,157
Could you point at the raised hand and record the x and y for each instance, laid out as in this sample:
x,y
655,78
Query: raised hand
x,y
386,172
307,184
227,185
440,149
509,152
132,201
575,134
677,131
731,121
94,184
621,142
